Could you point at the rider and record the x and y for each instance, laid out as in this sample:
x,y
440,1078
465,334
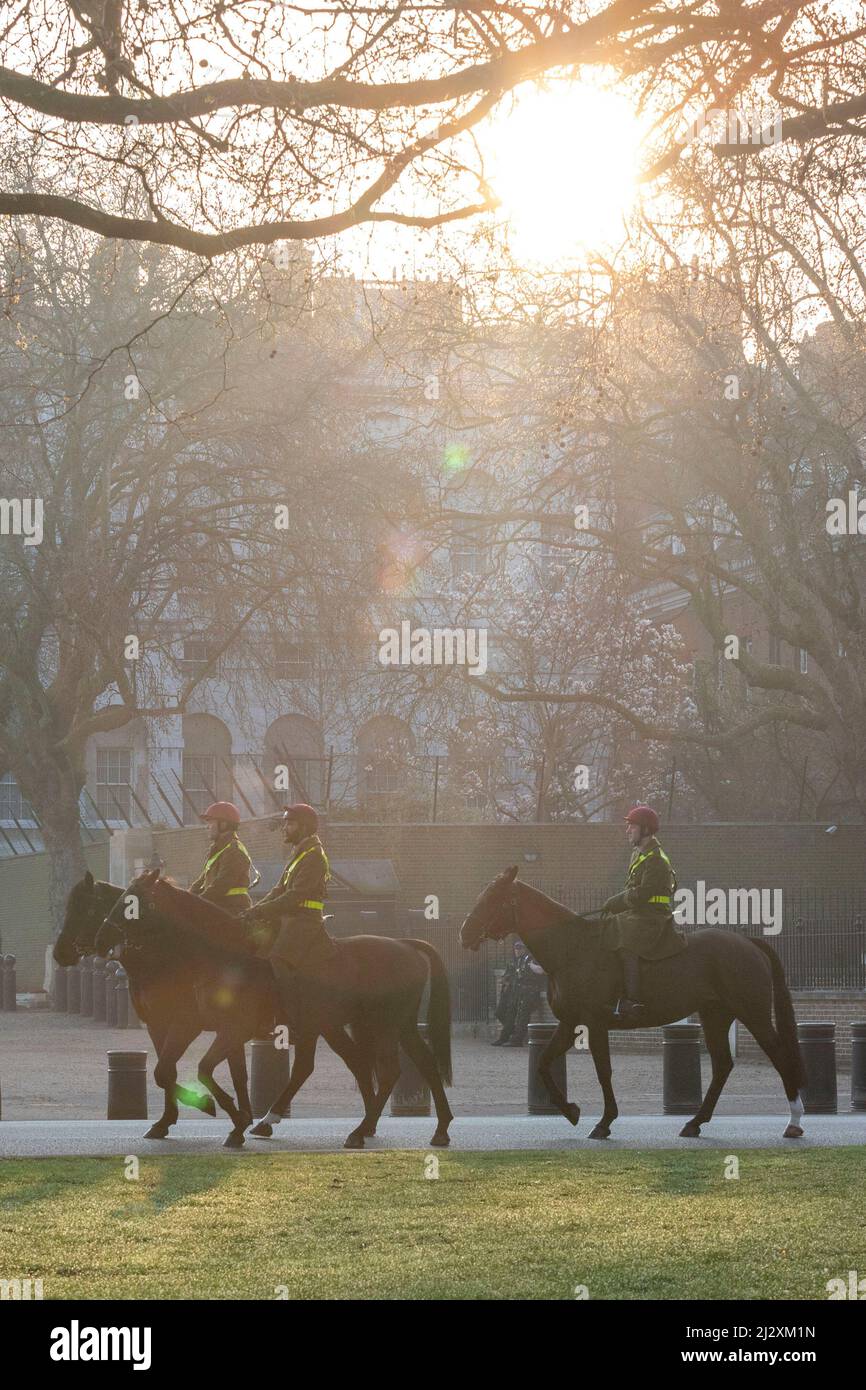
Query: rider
x,y
638,922
225,878
296,901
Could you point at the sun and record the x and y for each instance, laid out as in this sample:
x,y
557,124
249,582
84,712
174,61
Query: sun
x,y
564,163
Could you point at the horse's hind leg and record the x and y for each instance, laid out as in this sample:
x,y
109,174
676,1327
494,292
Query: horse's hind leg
x,y
419,1052
558,1045
302,1069
357,1060
715,1023
769,1041
237,1061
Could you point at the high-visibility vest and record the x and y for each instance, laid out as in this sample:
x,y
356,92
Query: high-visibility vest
x,y
661,897
214,857
308,902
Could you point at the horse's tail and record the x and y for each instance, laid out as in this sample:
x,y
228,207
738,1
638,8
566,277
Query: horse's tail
x,y
439,1008
783,1012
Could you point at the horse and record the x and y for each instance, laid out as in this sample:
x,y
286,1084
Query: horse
x,y
720,976
364,1001
162,992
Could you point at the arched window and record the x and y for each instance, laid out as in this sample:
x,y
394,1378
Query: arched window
x,y
207,761
295,742
385,746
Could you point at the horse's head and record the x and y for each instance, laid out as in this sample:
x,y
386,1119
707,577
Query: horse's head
x,y
122,925
85,912
494,914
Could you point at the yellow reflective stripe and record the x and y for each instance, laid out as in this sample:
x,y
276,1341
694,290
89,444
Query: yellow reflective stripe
x,y
231,891
311,902
214,857
297,861
660,900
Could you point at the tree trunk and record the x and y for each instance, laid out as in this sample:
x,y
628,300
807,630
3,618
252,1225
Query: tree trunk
x,y
58,812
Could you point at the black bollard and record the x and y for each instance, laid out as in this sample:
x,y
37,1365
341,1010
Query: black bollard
x,y
111,968
73,989
818,1046
85,971
127,1086
858,1066
121,991
681,1069
61,993
269,1073
10,987
411,1094
99,964
538,1102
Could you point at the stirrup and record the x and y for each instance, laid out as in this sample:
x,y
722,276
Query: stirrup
x,y
627,1008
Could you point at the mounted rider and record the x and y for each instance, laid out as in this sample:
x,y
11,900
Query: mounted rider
x,y
225,878
296,902
638,922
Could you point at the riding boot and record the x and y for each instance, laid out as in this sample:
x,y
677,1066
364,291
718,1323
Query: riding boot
x,y
628,1006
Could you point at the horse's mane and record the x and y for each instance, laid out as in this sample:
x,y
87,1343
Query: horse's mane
x,y
187,912
563,915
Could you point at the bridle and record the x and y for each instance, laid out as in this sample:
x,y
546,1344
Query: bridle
x,y
473,919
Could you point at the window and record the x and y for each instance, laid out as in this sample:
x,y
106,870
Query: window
x,y
113,782
294,660
12,803
804,662
775,650
469,555
557,536
197,652
199,780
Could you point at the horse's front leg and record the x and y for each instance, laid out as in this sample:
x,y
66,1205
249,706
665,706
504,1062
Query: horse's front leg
x,y
173,1043
557,1047
599,1046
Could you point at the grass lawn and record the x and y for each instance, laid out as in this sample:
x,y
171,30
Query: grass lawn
x,y
370,1225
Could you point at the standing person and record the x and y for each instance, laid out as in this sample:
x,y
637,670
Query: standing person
x,y
506,1009
225,878
296,902
638,922
530,986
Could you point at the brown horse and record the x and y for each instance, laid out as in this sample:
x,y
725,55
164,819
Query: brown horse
x,y
720,976
364,1001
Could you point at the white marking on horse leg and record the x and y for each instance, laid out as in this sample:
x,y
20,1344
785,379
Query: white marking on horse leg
x,y
797,1108
272,1118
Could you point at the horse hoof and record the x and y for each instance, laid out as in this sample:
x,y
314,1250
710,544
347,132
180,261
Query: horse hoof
x,y
600,1132
157,1132
441,1139
262,1130
354,1141
690,1131
234,1141
793,1132
572,1113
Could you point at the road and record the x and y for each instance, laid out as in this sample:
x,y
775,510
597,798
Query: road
x,y
488,1133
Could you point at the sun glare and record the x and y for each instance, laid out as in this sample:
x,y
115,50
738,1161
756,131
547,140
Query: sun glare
x,y
564,163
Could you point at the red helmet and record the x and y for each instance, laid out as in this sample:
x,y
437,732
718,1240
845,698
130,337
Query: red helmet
x,y
222,810
644,816
302,812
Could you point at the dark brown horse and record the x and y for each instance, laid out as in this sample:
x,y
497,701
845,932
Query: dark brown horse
x,y
720,975
364,1001
163,994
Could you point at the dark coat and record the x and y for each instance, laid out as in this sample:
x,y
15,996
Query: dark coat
x,y
635,923
301,942
227,868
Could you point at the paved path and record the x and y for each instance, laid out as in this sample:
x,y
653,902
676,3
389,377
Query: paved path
x,y
53,1138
